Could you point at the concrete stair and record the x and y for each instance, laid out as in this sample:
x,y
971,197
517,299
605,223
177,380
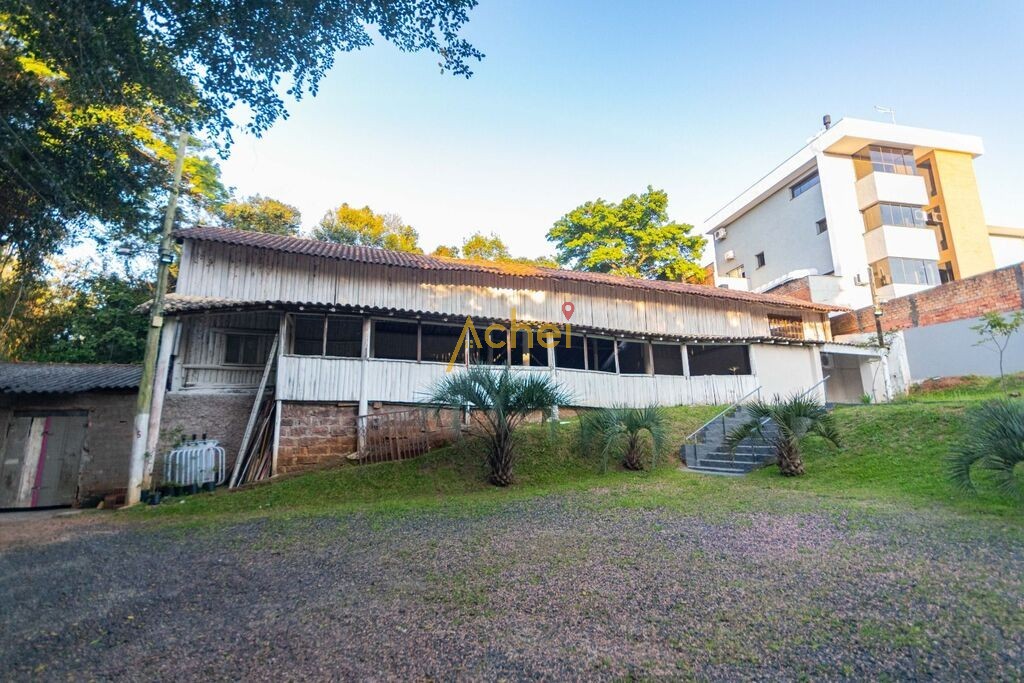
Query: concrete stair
x,y
710,455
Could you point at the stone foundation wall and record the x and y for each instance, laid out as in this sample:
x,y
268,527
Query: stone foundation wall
x,y
315,434
219,416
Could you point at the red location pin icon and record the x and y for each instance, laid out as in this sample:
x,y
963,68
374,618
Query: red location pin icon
x,y
567,309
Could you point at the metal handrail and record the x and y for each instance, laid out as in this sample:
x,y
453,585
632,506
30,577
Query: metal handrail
x,y
732,406
818,384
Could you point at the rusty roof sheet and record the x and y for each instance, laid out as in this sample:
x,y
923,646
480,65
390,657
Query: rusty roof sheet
x,y
66,378
401,259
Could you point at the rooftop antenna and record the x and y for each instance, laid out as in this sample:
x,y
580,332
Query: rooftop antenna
x,y
886,110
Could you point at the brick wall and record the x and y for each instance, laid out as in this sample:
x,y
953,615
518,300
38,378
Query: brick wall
x,y
220,416
108,438
797,289
315,434
999,290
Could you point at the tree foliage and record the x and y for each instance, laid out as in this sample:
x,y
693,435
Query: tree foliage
x,y
81,317
261,214
995,332
626,433
364,228
490,247
634,238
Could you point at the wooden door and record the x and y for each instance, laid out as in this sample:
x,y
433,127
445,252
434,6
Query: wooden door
x,y
41,459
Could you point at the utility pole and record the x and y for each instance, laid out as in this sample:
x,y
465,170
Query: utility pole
x,y
140,456
882,346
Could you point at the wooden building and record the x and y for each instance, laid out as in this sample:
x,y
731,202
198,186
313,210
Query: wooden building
x,y
336,332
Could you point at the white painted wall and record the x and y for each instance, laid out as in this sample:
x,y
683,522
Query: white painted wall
x,y
901,242
785,370
845,228
785,229
891,188
1007,250
948,350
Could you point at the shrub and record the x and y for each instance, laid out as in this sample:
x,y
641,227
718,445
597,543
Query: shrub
x,y
795,418
993,441
621,431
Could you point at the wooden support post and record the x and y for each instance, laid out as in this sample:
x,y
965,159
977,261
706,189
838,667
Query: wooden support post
x,y
254,413
364,378
282,331
163,364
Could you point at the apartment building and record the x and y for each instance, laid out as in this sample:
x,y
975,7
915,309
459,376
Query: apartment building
x,y
862,203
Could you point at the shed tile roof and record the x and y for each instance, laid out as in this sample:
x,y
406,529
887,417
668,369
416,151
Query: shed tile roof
x,y
386,257
66,378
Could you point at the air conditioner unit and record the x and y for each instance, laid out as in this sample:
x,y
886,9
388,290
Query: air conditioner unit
x,y
720,234
860,279
730,255
826,361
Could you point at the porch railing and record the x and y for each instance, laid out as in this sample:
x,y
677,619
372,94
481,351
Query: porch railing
x,y
403,434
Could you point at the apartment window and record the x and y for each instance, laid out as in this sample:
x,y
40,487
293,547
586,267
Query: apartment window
x,y
439,341
946,272
600,354
905,271
786,326
822,226
894,214
925,168
804,185
570,353
668,359
760,259
246,349
738,271
632,357
879,159
396,340
718,359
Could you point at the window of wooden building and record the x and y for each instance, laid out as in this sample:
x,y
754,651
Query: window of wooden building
x,y
439,341
786,326
246,349
571,353
718,359
668,359
338,336
600,354
632,357
395,339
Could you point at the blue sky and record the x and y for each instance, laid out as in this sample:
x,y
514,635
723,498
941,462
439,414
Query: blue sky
x,y
581,100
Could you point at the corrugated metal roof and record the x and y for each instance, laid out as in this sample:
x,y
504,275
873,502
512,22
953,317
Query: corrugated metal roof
x,y
401,259
180,303
66,378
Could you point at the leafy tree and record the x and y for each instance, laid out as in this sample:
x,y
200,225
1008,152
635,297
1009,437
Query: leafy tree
x,y
82,318
629,433
362,227
479,246
634,238
505,399
261,214
995,331
993,441
785,423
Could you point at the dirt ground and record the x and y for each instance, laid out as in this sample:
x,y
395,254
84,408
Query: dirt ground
x,y
557,588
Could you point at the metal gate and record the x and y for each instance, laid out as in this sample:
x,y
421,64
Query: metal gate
x,y
41,458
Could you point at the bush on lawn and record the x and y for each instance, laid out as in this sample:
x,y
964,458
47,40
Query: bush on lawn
x,y
795,418
627,433
993,441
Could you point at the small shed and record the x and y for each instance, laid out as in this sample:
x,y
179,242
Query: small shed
x,y
65,432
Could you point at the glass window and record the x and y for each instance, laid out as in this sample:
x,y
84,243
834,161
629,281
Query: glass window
x,y
395,339
946,272
439,341
601,354
344,337
308,335
894,214
245,349
879,159
760,259
570,353
804,185
719,359
822,226
905,271
632,357
668,359
786,326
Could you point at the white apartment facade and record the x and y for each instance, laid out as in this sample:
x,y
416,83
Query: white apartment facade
x,y
862,202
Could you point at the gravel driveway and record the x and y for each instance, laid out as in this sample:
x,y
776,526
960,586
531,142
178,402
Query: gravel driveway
x,y
555,588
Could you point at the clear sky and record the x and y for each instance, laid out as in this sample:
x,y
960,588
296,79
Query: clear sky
x,y
580,100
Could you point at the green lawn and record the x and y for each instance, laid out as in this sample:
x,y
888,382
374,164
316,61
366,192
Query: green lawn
x,y
893,455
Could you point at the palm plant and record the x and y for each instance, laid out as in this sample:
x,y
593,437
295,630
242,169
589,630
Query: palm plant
x,y
622,431
994,441
505,399
793,419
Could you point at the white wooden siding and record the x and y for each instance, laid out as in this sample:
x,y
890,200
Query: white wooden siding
x,y
310,378
249,274
200,354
